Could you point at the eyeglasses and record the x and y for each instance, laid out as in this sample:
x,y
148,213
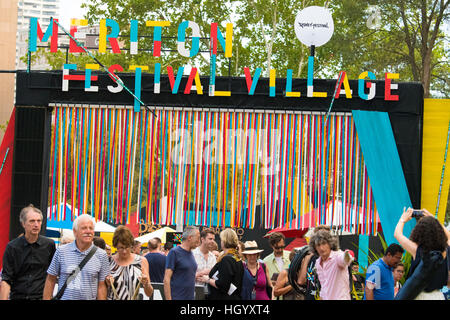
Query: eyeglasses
x,y
279,247
123,248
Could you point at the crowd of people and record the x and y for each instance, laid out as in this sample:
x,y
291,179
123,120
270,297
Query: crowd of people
x,y
84,268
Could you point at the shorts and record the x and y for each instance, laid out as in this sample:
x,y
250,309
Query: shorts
x,y
433,295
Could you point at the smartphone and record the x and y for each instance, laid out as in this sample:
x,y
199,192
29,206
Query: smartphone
x,y
417,213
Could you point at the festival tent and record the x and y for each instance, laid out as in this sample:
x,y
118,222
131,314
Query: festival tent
x,y
296,243
54,224
288,231
160,233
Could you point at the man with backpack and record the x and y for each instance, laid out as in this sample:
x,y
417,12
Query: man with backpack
x,y
331,266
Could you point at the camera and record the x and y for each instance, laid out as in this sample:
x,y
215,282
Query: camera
x,y
417,213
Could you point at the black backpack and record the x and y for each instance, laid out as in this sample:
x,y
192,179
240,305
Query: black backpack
x,y
312,280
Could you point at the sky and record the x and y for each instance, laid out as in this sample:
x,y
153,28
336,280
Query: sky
x,y
70,9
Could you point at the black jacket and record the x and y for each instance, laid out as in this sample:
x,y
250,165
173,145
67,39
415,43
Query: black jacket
x,y
228,272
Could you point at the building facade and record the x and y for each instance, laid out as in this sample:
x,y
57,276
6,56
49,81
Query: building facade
x,y
41,9
8,29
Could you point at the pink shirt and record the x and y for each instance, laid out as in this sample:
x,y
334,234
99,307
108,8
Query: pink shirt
x,y
334,277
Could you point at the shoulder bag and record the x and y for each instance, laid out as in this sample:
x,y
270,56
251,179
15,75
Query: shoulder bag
x,y
74,273
269,288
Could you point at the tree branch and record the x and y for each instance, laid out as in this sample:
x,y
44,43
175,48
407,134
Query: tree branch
x,y
438,23
432,12
409,42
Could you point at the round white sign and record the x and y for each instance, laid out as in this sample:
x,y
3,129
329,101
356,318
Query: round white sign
x,y
314,26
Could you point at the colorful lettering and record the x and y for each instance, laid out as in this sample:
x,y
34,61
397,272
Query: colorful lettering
x,y
289,92
157,35
310,80
88,77
388,86
105,37
134,26
370,85
251,84
272,89
36,32
157,79
112,69
181,40
216,36
137,85
343,79
175,83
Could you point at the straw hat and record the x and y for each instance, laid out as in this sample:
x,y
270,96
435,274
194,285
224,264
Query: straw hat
x,y
251,247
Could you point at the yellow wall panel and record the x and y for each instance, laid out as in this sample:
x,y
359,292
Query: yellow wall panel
x,y
108,236
436,121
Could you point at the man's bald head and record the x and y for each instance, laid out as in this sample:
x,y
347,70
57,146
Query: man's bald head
x,y
154,244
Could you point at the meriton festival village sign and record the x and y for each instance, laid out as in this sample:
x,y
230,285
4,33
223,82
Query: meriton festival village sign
x,y
216,38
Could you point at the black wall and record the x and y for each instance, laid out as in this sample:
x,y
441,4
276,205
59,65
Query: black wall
x,y
40,88
30,166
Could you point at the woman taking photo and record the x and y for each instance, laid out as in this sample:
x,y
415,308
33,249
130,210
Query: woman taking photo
x,y
225,278
128,270
428,236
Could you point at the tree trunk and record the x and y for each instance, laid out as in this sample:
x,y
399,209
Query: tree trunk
x,y
300,64
426,76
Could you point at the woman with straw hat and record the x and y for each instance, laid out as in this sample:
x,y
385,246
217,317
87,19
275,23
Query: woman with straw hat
x,y
263,286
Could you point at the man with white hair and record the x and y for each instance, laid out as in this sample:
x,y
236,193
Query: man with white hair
x,y
87,284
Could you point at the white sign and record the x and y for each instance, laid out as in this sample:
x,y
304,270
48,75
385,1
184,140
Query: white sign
x,y
314,26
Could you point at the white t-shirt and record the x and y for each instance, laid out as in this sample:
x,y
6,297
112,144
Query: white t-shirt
x,y
280,263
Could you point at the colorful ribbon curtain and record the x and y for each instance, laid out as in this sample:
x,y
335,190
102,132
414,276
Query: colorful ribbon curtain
x,y
210,167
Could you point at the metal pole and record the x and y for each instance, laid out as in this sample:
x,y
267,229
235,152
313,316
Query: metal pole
x,y
443,171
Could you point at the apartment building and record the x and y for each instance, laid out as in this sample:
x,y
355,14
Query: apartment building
x,y
41,9
8,28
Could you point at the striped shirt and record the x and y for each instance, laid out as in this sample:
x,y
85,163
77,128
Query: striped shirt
x,y
85,284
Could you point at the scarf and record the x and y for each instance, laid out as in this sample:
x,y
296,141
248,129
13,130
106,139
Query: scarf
x,y
233,252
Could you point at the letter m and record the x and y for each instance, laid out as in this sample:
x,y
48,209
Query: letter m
x,y
36,31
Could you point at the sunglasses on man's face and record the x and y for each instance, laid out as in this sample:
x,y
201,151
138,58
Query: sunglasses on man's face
x,y
279,247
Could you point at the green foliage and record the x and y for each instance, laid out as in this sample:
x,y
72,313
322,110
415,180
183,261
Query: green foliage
x,y
4,126
410,40
372,257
